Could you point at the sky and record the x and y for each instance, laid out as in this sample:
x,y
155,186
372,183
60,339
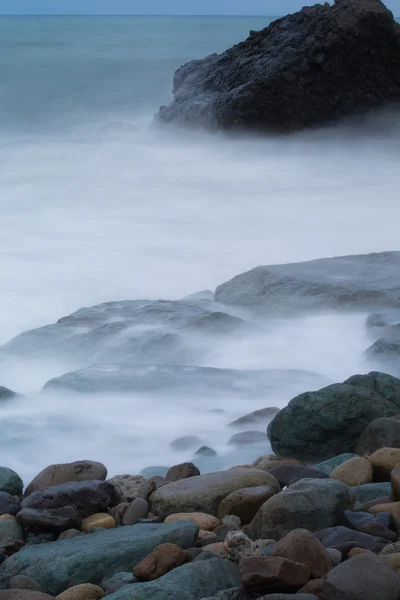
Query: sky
x,y
190,7
150,6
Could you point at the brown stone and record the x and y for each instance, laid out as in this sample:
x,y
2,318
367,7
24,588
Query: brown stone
x,y
245,503
207,537
204,521
162,560
259,572
395,481
118,512
99,520
355,551
270,461
392,561
217,549
384,461
355,471
7,517
182,471
83,470
301,546
314,587
85,591
393,508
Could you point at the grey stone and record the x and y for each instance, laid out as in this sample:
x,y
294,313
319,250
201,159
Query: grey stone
x,y
312,504
381,433
10,530
21,582
189,582
10,482
138,509
69,534
9,505
117,581
363,577
95,557
88,497
6,394
188,442
334,536
66,517
130,487
205,451
371,491
205,492
246,502
151,472
258,417
352,282
247,438
83,470
182,471
324,423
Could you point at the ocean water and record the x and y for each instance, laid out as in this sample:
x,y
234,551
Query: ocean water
x,y
96,205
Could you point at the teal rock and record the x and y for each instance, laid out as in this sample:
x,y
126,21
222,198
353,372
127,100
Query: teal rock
x,y
371,491
330,465
192,581
10,530
117,581
95,557
312,504
153,471
10,482
328,422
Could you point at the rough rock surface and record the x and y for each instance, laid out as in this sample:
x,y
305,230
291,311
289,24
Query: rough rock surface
x,y
205,492
245,503
383,432
94,556
301,546
260,572
83,470
162,560
355,282
355,471
329,421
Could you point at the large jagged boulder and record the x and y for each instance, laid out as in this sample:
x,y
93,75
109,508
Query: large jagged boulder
x,y
329,422
344,282
307,69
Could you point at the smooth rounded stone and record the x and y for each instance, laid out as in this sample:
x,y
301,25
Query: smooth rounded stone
x,y
129,487
204,521
217,549
182,471
10,530
383,432
10,482
158,481
117,581
289,474
188,442
21,582
245,503
301,546
85,591
149,472
23,595
355,471
138,509
379,530
371,491
271,461
314,587
88,497
192,581
312,504
118,512
364,576
395,482
258,417
206,537
205,451
356,551
335,556
98,520
9,505
238,545
205,492
333,537
58,519
368,523
393,508
258,573
162,560
247,438
384,461
69,534
95,557
329,465
392,561
83,470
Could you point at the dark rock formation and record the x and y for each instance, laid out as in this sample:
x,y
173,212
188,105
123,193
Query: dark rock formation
x,y
307,69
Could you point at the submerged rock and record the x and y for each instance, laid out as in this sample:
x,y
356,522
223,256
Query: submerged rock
x,y
287,76
6,394
329,422
346,282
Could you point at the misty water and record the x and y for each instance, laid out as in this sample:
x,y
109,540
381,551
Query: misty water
x,y
96,206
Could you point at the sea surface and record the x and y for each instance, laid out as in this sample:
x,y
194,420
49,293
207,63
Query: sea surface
x,y
97,205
